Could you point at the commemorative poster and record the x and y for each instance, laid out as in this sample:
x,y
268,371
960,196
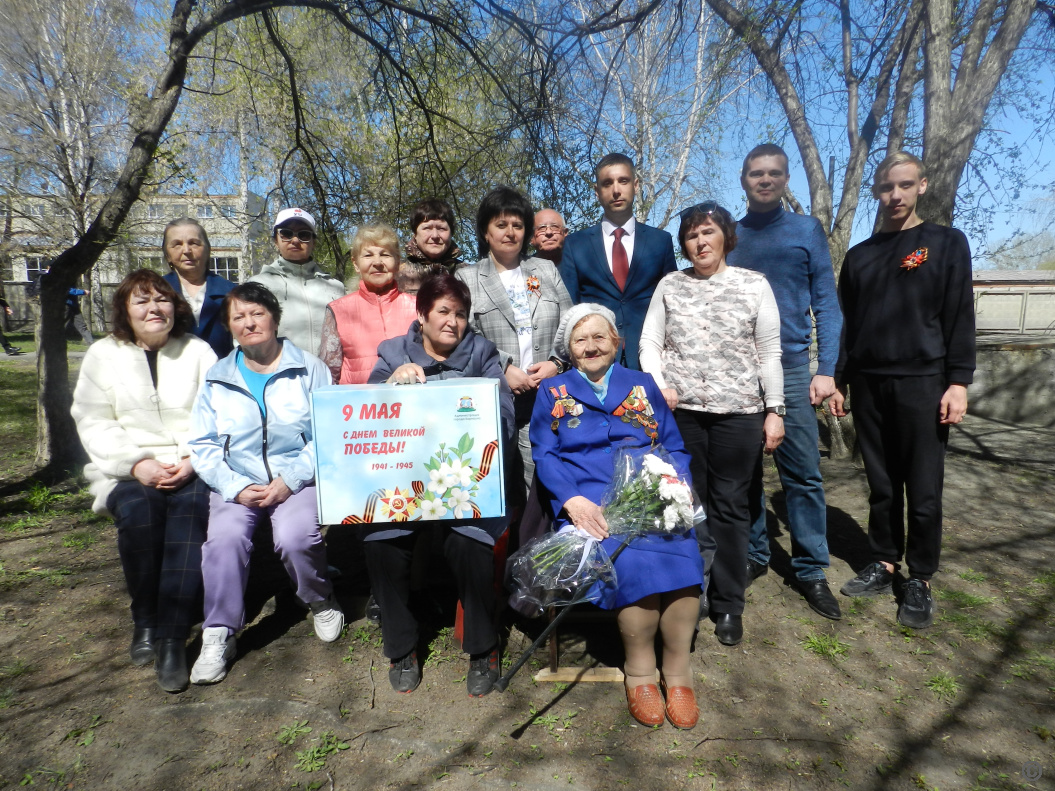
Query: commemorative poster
x,y
408,453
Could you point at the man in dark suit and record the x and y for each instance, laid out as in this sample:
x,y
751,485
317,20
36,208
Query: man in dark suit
x,y
619,261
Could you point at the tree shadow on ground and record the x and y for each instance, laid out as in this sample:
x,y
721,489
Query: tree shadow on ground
x,y
847,538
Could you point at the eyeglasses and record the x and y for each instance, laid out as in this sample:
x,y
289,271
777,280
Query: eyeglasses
x,y
707,207
286,235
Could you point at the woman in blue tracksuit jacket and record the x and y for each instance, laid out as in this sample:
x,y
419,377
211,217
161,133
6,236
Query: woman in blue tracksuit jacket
x,y
253,446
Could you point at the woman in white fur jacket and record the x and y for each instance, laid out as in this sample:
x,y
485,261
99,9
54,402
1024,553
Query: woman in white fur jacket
x,y
132,405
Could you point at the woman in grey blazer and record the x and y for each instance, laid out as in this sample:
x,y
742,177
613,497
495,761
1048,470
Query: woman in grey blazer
x,y
517,304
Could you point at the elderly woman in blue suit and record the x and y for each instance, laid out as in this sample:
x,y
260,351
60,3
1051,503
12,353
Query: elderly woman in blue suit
x,y
659,578
185,245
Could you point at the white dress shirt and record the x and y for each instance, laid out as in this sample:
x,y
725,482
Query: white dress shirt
x,y
608,237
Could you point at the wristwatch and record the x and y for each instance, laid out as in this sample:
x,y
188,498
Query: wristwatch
x,y
779,411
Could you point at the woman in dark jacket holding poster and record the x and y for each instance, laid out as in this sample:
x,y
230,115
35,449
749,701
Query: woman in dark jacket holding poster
x,y
439,345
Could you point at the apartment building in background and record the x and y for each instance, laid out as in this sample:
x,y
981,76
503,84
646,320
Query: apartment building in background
x,y
34,233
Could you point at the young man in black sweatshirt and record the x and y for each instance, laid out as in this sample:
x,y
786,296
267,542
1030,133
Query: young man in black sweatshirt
x,y
907,355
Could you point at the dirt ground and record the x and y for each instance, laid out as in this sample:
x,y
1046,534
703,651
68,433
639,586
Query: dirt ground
x,y
802,703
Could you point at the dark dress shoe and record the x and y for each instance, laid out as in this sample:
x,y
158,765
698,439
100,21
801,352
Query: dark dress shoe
x,y
820,599
171,664
729,628
755,570
142,648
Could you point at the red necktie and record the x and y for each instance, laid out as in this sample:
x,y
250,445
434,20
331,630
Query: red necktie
x,y
620,266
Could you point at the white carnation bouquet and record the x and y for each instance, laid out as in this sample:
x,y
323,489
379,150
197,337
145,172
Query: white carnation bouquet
x,y
647,496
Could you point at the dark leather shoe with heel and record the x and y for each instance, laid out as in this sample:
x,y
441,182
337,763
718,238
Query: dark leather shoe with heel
x,y
171,664
755,570
820,599
142,648
729,628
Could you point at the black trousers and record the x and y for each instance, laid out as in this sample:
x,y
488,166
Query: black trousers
x,y
388,562
159,538
725,450
903,446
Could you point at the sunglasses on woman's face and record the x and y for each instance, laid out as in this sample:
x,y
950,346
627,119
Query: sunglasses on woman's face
x,y
286,235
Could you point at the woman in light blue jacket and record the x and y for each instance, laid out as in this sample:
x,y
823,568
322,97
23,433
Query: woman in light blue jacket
x,y
253,446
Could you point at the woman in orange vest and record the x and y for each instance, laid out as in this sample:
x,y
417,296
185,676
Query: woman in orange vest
x,y
377,311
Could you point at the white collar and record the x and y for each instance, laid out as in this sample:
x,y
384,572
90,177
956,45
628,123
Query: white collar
x,y
608,227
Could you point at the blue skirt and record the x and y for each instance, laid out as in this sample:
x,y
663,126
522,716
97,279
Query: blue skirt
x,y
651,564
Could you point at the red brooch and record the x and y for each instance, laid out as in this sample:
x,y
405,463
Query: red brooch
x,y
914,259
533,285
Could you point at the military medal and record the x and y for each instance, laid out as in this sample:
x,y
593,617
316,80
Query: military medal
x,y
564,404
636,410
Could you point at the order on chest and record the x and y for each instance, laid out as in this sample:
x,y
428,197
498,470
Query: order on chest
x,y
597,432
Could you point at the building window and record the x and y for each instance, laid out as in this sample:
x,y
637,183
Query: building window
x,y
228,211
35,266
150,262
205,212
155,212
35,209
225,266
178,210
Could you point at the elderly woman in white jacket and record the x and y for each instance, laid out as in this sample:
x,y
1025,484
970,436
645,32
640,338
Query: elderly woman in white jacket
x,y
132,405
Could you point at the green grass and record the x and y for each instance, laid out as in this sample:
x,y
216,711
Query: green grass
x,y
944,685
965,601
1035,664
826,645
12,670
972,576
18,413
441,649
79,539
973,627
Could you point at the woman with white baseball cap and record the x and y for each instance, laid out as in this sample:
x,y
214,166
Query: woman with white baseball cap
x,y
302,288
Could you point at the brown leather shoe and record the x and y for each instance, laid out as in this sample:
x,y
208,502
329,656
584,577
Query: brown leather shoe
x,y
646,704
682,710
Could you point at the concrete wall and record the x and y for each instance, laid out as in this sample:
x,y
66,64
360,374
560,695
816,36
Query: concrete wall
x,y
1015,379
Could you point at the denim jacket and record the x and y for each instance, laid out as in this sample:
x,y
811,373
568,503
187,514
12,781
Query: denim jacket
x,y
233,446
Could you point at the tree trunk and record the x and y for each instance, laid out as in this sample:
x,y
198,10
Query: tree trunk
x,y
840,441
245,262
98,305
954,113
58,446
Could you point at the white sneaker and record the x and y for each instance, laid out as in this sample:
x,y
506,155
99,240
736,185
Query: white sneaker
x,y
329,619
217,647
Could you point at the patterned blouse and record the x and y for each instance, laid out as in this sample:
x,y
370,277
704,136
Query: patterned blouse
x,y
716,340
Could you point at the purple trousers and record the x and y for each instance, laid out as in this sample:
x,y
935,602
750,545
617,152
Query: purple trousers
x,y
225,555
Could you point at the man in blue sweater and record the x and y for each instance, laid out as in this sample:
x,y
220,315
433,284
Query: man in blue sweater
x,y
791,250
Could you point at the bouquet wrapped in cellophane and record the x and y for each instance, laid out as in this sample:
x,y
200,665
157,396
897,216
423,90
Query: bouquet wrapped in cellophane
x,y
646,498
553,571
